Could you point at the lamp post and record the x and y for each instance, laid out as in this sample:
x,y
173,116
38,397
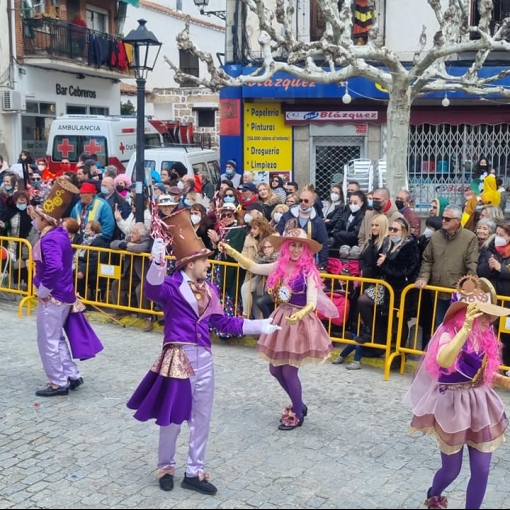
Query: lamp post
x,y
146,49
202,4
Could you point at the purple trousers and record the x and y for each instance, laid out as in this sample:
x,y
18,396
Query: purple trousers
x,y
53,348
202,390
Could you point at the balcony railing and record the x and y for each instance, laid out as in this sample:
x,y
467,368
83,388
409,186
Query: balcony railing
x,y
56,38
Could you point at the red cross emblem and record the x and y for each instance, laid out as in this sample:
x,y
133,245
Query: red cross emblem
x,y
65,148
122,147
92,147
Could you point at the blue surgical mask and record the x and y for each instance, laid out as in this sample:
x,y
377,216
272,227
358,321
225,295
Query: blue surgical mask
x,y
21,207
36,184
307,210
104,190
229,171
370,202
187,202
229,200
7,187
397,239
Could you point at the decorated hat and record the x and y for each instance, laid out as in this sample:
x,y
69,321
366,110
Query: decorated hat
x,y
295,235
165,200
186,245
58,200
471,289
226,206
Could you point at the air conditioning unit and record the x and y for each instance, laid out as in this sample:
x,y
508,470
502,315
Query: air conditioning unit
x,y
13,101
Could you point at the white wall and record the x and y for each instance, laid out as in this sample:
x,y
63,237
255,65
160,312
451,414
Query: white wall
x,y
166,27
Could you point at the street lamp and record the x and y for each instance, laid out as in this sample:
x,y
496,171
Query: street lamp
x,y
202,4
145,53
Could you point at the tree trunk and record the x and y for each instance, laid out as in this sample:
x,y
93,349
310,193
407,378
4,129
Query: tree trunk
x,y
398,118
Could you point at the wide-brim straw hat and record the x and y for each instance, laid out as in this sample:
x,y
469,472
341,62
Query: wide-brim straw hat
x,y
295,235
472,289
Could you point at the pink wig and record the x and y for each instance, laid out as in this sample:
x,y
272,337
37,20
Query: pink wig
x,y
304,266
122,178
487,340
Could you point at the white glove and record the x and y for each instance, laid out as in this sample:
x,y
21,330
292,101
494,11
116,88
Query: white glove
x,y
158,251
257,326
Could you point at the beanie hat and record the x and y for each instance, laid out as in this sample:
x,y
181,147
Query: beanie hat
x,y
232,163
88,187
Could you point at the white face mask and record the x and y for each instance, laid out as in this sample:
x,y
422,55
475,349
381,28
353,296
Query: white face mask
x,y
180,185
41,167
248,218
500,241
195,219
428,232
277,216
354,208
335,197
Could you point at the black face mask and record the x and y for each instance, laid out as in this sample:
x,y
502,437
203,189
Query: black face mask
x,y
483,168
377,205
119,188
400,204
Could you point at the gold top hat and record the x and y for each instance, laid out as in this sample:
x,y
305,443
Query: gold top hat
x,y
295,235
58,200
186,245
471,289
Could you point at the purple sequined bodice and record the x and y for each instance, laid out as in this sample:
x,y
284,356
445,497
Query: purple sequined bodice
x,y
467,366
298,289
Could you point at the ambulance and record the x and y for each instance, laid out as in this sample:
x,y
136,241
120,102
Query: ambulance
x,y
111,138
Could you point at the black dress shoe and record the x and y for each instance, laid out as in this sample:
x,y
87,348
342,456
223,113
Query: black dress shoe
x,y
166,482
195,484
50,391
74,383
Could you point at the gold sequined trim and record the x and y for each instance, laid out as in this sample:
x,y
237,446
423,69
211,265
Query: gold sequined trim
x,y
173,362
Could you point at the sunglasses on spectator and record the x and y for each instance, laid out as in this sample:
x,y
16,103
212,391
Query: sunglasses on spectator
x,y
394,229
226,215
447,219
304,201
229,195
36,179
433,207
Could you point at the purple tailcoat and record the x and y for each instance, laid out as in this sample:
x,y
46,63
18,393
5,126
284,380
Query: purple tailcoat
x,y
166,399
53,255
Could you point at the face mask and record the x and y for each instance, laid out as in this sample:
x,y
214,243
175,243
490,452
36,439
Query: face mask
x,y
229,200
119,188
377,205
195,219
500,241
21,207
229,171
277,217
354,208
349,193
187,202
180,185
307,210
370,202
396,239
400,204
479,207
335,197
483,168
428,232
86,235
36,184
7,187
248,218
41,167
104,190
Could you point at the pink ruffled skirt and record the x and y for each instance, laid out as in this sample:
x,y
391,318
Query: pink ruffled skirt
x,y
305,342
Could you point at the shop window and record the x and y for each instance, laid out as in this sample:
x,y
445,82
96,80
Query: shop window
x,y
188,63
500,11
98,110
35,127
76,110
206,118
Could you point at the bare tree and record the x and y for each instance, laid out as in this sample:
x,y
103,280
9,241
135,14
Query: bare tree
x,y
344,59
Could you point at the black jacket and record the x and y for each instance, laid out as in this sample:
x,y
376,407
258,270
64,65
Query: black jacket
x,y
345,232
500,279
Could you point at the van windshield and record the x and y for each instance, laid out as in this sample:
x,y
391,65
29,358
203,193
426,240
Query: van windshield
x,y
71,146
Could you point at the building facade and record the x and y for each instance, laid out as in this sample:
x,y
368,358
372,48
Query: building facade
x,y
310,131
62,57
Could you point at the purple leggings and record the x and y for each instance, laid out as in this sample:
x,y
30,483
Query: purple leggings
x,y
288,378
479,464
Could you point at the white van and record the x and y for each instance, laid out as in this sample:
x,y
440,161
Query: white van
x,y
195,159
112,139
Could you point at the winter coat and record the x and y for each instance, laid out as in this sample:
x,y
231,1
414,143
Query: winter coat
x,y
345,232
500,279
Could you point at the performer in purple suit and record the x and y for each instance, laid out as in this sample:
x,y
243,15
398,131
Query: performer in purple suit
x,y
53,256
180,385
452,395
295,284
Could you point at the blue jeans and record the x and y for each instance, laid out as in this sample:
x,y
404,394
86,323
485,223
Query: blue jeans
x,y
358,349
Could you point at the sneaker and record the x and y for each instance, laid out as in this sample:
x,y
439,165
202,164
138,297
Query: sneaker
x,y
355,365
338,360
195,484
147,326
